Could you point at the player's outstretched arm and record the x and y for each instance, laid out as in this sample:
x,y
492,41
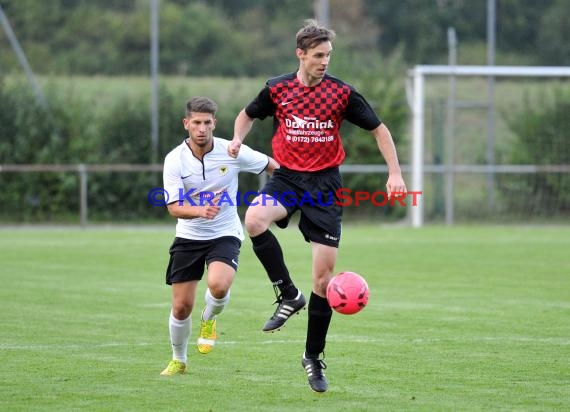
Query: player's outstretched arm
x,y
242,126
395,183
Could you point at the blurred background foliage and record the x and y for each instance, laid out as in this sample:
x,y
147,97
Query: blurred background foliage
x,y
225,49
255,37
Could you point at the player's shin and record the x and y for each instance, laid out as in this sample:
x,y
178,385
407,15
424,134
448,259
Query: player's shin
x,y
320,314
269,252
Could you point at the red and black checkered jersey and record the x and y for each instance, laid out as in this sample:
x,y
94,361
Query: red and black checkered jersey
x,y
307,120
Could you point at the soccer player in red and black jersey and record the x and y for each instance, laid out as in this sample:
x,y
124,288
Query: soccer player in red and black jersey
x,y
307,107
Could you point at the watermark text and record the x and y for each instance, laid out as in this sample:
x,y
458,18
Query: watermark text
x,y
342,197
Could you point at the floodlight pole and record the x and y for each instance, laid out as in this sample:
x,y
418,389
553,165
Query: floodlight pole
x,y
491,17
154,107
40,98
322,12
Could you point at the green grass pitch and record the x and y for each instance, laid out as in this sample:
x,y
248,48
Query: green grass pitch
x,y
459,318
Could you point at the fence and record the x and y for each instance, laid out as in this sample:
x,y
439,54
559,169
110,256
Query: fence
x,y
83,172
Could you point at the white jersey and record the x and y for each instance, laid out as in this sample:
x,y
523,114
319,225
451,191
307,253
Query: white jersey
x,y
191,180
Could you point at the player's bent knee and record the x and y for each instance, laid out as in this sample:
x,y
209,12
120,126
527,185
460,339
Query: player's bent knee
x,y
254,224
181,310
219,291
320,285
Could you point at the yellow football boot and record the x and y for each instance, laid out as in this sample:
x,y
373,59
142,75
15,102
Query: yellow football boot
x,y
207,338
175,367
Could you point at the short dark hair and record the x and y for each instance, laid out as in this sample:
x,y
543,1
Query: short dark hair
x,y
312,34
201,105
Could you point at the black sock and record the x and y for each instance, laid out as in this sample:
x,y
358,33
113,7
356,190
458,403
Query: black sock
x,y
320,314
268,251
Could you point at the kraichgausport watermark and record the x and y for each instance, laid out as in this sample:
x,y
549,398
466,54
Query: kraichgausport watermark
x,y
341,197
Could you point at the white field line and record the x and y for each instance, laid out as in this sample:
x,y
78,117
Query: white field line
x,y
341,339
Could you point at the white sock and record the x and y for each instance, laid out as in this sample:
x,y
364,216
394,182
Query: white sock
x,y
214,306
179,335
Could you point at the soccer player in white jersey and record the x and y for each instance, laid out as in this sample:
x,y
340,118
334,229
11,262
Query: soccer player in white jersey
x,y
201,188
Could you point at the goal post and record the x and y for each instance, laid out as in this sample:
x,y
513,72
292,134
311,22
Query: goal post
x,y
418,106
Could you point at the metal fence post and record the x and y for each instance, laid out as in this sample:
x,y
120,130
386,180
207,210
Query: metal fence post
x,y
82,170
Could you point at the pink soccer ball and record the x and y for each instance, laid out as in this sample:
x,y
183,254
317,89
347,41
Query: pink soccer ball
x,y
347,293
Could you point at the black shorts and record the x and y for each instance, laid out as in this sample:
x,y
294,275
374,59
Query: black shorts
x,y
189,257
315,195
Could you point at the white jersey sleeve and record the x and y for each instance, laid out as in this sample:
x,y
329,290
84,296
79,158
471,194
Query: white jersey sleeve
x,y
251,160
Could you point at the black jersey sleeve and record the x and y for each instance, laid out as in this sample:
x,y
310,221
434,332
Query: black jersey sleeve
x,y
262,106
360,113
